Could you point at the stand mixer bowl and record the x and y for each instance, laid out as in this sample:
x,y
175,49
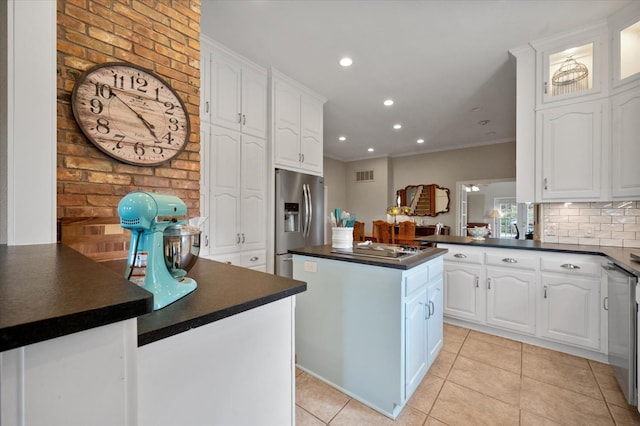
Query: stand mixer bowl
x,y
181,248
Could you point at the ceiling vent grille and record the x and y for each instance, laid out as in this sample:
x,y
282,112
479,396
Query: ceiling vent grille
x,y
364,176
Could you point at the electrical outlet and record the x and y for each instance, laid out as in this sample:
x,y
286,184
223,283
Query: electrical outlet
x,y
310,266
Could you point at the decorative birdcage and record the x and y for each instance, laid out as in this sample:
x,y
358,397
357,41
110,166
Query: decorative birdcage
x,y
571,77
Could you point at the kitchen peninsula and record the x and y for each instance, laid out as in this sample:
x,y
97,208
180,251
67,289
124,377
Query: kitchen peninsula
x,y
369,325
81,345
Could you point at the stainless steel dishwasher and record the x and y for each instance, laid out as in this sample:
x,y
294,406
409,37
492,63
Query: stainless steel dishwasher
x,y
623,322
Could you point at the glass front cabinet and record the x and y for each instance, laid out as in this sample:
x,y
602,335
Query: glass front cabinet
x,y
572,66
625,46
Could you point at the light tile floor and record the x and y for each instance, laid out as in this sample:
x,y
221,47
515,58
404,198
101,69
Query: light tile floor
x,y
479,379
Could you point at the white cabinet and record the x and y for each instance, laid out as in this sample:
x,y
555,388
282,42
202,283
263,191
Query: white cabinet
x,y
569,151
625,111
297,125
624,29
463,293
236,96
435,312
571,306
572,65
237,192
548,296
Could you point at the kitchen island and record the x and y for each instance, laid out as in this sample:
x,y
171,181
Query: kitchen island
x,y
81,345
369,326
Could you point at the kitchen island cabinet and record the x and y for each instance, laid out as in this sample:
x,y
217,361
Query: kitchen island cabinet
x,y
80,344
369,328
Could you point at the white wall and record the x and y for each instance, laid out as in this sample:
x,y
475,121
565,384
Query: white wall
x,y
29,169
368,200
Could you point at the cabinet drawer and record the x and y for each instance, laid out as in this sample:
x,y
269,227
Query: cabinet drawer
x,y
512,260
253,258
229,259
415,279
463,254
572,264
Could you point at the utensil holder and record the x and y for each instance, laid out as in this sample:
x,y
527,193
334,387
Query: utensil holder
x,y
342,238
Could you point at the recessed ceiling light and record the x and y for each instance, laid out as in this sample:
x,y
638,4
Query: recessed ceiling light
x,y
370,150
476,109
346,61
342,138
420,141
484,122
388,102
397,126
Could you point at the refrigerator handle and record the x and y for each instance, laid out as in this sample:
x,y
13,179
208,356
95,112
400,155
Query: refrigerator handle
x,y
310,210
306,210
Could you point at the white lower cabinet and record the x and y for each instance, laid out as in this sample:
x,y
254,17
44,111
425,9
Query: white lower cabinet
x,y
511,300
548,296
463,295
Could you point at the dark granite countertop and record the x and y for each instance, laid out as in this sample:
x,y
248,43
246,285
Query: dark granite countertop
x,y
619,256
223,290
325,252
50,290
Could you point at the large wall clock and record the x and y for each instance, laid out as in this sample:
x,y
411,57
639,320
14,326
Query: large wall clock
x,y
130,113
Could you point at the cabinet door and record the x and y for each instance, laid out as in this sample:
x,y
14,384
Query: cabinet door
x,y
311,139
573,66
226,84
205,146
286,131
570,310
463,295
570,146
254,201
224,175
434,323
254,103
416,312
511,300
625,144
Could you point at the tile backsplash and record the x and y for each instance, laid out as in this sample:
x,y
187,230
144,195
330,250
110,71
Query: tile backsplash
x,y
615,223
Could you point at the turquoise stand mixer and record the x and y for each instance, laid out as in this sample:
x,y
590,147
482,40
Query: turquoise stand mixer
x,y
163,246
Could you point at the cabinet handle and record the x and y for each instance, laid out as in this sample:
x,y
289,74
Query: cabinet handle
x,y
509,260
546,186
605,303
206,106
545,291
243,238
460,256
206,241
489,283
546,87
254,259
432,308
302,158
239,117
477,282
244,119
569,266
237,238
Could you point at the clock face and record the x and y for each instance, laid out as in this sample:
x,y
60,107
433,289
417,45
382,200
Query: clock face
x,y
130,113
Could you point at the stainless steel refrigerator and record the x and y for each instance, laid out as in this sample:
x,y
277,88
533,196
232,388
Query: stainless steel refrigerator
x,y
299,216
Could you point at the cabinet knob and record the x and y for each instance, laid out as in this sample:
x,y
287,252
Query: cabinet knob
x,y
254,259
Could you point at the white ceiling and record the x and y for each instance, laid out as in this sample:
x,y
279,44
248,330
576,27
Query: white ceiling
x,y
437,59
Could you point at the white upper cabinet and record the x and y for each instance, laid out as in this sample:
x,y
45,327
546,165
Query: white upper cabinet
x,y
572,66
570,140
624,30
297,125
237,94
625,144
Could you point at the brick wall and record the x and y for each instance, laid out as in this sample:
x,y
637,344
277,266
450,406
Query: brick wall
x,y
161,35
